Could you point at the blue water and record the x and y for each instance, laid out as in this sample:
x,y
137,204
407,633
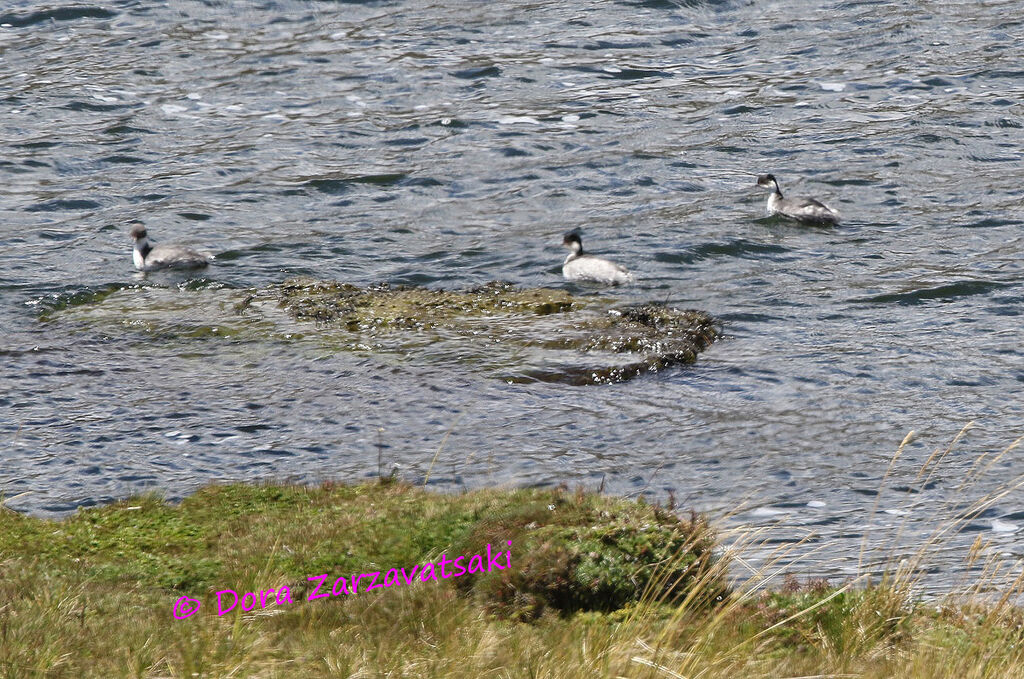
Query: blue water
x,y
408,142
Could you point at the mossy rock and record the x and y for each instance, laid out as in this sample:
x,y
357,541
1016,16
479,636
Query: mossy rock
x,y
518,335
582,552
524,335
411,307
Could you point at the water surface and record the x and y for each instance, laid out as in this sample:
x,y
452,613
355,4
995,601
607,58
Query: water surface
x,y
405,142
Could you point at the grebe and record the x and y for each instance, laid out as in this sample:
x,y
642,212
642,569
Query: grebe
x,y
150,257
804,210
582,267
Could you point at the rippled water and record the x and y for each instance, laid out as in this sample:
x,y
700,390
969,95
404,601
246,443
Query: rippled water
x,y
419,142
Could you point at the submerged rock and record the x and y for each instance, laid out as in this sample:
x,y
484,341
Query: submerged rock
x,y
516,334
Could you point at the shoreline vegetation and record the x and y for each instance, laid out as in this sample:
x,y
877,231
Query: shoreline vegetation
x,y
597,586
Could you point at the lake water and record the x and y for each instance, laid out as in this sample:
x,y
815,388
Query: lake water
x,y
449,145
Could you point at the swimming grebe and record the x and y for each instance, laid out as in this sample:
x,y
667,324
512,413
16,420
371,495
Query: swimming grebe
x,y
581,267
150,257
804,210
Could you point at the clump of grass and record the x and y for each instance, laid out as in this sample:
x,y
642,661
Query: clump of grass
x,y
582,552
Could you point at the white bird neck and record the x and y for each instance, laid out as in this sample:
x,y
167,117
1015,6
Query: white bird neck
x,y
576,251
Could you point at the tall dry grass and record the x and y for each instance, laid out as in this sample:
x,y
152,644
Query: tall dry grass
x,y
876,624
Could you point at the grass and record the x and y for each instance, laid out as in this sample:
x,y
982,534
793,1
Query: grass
x,y
598,587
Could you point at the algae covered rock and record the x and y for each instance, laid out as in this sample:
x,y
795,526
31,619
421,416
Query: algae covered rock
x,y
522,335
177,315
515,334
629,341
410,307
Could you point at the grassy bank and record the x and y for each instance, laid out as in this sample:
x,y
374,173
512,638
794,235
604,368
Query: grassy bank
x,y
593,586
